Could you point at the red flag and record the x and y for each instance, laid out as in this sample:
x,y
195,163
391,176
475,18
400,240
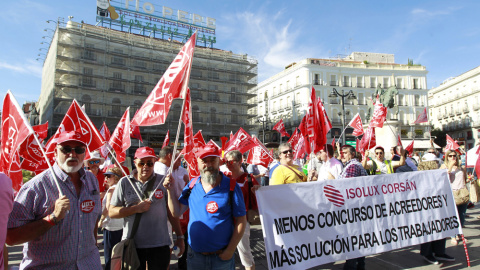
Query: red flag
x,y
189,148
172,85
15,173
120,140
300,148
477,166
231,135
315,124
76,120
280,127
409,148
326,121
356,124
422,118
198,139
241,141
294,138
303,129
224,142
41,131
166,141
135,132
379,115
105,132
358,147
399,140
259,155
15,129
369,140
451,144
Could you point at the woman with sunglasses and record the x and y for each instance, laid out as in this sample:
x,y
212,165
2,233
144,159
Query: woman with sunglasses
x,y
458,177
113,227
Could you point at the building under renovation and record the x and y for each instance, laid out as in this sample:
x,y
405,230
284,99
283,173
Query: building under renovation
x,y
108,70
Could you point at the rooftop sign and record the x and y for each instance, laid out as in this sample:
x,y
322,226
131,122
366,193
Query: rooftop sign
x,y
145,18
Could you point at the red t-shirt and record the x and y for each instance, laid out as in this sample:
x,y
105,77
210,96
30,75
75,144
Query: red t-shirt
x,y
247,192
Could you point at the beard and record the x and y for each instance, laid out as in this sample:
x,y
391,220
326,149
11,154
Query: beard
x,y
70,169
209,175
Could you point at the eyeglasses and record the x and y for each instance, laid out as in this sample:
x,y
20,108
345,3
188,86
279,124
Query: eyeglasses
x,y
378,153
68,149
109,175
452,155
91,162
287,151
230,162
141,164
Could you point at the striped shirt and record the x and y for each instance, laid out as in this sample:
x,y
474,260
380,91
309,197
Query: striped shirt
x,y
70,244
353,168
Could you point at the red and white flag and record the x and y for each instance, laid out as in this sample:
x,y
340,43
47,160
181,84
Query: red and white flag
x,y
451,144
409,148
369,140
241,141
300,148
120,139
189,148
105,149
135,132
76,120
173,84
15,129
166,141
379,115
280,127
422,118
198,140
259,155
399,140
294,138
356,124
317,134
41,131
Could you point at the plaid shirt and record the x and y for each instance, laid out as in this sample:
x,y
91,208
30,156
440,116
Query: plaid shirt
x,y
353,168
71,243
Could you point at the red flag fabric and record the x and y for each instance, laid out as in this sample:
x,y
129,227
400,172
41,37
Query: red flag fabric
x,y
303,130
198,139
224,141
241,141
315,124
451,144
15,173
422,118
166,141
105,132
76,120
172,85
358,147
258,155
231,135
399,140
189,148
477,166
41,131
120,140
31,151
135,132
379,115
15,129
280,127
369,140
327,124
409,148
300,148
356,124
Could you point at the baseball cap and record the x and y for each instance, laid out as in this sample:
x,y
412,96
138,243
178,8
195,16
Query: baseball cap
x,y
209,150
430,157
71,136
144,152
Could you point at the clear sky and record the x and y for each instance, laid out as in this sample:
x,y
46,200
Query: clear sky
x,y
442,35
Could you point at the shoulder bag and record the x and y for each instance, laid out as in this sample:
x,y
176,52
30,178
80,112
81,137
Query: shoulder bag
x,y
252,214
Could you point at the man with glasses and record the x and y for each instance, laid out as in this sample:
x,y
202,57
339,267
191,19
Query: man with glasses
x,y
352,168
151,238
59,232
287,172
380,165
93,165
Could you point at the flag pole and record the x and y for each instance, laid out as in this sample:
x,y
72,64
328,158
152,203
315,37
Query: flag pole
x,y
125,173
49,165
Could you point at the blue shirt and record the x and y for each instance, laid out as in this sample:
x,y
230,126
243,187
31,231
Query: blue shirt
x,y
211,216
71,243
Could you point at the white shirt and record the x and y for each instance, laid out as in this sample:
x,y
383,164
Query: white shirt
x,y
333,166
160,168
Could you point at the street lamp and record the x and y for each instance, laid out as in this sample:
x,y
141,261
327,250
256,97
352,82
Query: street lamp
x,y
263,120
349,96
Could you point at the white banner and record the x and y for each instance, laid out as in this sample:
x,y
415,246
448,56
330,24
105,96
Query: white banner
x,y
309,224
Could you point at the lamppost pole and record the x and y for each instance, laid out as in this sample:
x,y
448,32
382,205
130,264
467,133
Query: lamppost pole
x,y
349,96
263,120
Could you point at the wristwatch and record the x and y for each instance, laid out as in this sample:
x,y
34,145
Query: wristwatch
x,y
180,237
52,219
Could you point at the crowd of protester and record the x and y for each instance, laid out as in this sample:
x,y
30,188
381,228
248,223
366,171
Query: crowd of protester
x,y
203,220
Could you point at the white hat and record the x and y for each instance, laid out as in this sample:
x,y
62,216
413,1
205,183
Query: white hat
x,y
96,155
430,157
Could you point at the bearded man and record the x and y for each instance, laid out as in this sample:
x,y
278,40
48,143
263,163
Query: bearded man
x,y
59,232
217,212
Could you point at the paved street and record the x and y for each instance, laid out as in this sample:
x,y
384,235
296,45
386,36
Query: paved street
x,y
407,258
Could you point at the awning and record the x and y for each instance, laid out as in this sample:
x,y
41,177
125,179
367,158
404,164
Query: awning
x,y
419,144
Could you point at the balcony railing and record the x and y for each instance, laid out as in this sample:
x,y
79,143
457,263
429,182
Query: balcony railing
x,y
359,85
346,84
316,82
333,83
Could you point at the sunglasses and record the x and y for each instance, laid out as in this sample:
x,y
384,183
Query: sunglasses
x,y
68,149
378,153
431,152
141,164
109,175
287,151
230,162
452,155
91,162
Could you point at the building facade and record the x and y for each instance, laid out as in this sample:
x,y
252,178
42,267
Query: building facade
x,y
286,94
454,107
108,70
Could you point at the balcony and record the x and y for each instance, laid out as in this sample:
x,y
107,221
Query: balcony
x,y
117,87
346,84
316,82
333,83
476,107
465,109
372,85
139,89
359,85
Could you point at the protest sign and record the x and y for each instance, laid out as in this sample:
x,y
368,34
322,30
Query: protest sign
x,y
310,224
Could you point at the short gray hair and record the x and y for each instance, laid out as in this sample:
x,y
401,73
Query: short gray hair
x,y
237,155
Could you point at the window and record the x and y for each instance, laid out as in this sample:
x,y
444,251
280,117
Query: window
x,y
415,84
118,60
297,80
400,83
234,117
373,82
360,82
213,115
139,78
116,108
333,80
386,82
87,71
346,81
117,75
